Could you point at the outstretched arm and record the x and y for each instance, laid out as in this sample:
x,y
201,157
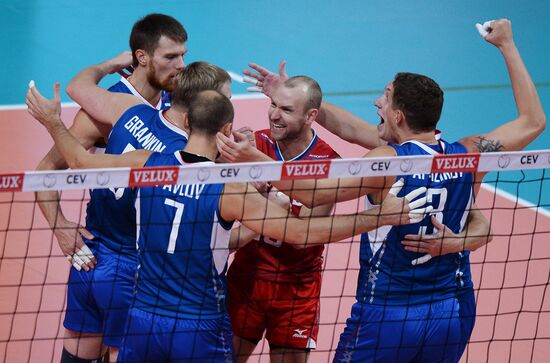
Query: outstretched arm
x,y
244,203
240,236
48,112
312,192
102,105
531,121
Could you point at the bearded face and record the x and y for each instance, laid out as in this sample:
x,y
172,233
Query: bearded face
x,y
165,63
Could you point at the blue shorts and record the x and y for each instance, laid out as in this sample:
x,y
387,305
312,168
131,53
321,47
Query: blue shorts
x,y
157,338
467,313
416,333
98,300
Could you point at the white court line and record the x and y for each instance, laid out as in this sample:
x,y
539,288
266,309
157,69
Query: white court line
x,y
24,107
248,96
243,96
515,199
235,76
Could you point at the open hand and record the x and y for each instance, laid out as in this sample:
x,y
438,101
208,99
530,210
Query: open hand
x,y
249,133
120,64
238,150
396,211
47,112
264,80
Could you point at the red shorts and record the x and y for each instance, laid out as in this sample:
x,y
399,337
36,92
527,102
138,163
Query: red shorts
x,y
288,313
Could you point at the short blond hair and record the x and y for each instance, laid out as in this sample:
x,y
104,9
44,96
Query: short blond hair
x,y
197,77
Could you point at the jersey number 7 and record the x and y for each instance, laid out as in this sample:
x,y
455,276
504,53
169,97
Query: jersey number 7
x,y
175,223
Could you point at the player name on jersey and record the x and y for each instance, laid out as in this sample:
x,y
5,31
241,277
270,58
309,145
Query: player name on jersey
x,y
439,177
142,134
188,190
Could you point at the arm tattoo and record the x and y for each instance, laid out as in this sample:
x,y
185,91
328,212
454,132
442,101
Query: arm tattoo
x,y
486,145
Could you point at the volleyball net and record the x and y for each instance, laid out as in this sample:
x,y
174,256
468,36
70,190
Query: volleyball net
x,y
511,274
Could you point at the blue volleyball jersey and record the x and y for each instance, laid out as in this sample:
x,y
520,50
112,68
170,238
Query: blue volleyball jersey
x,y
124,86
182,248
386,275
110,214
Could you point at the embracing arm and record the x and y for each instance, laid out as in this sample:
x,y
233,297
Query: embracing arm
x,y
79,158
102,105
241,235
477,233
313,192
242,202
531,121
347,126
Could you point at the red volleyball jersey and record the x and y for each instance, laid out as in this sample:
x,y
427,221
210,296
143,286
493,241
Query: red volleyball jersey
x,y
274,260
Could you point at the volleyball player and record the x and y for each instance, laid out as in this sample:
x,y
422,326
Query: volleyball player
x,y
272,286
179,308
512,136
476,234
95,312
383,319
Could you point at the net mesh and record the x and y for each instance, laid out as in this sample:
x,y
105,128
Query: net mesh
x,y
511,275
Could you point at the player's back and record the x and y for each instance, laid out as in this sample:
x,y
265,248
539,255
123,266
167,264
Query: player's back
x,y
387,276
110,213
182,247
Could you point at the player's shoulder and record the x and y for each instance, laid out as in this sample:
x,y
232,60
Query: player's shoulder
x,y
384,150
164,159
264,141
456,147
264,136
141,110
120,87
322,150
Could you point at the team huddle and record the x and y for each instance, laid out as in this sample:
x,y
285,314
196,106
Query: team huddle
x,y
151,281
